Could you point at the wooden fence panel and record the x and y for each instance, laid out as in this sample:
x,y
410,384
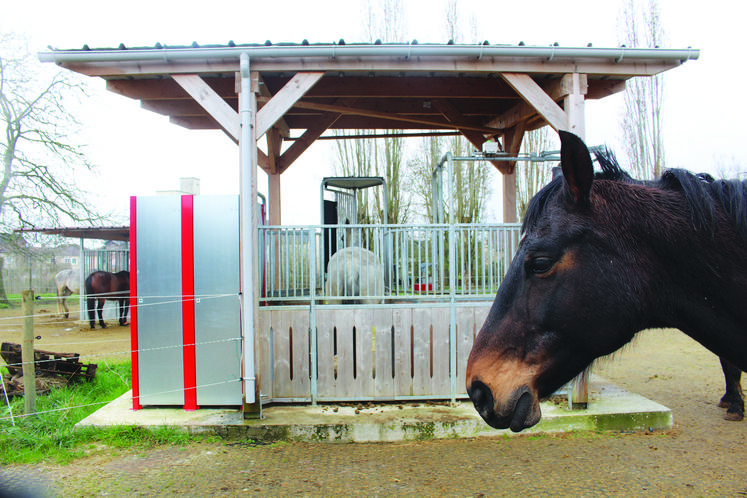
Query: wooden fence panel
x,y
344,380
264,344
422,366
383,353
326,353
366,353
300,351
280,352
402,323
441,357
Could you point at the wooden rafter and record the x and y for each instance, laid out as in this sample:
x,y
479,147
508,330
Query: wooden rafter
x,y
215,106
412,87
535,96
311,134
280,124
276,107
389,116
523,112
453,114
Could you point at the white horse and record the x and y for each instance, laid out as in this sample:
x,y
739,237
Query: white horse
x,y
354,271
67,283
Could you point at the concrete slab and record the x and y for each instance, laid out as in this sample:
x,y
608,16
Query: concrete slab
x,y
610,409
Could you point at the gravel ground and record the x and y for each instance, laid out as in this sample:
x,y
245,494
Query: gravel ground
x,y
703,455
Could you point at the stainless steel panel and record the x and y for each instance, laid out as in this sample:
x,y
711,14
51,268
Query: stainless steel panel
x,y
217,318
159,287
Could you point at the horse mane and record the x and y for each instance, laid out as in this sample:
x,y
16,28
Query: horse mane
x,y
702,193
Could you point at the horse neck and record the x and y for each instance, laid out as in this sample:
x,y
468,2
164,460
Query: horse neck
x,y
698,275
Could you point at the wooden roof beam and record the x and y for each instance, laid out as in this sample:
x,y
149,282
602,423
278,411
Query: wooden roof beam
x,y
452,114
167,88
280,124
216,107
539,100
389,116
310,136
278,105
410,87
535,96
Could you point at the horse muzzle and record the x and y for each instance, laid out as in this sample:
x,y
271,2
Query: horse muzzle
x,y
520,410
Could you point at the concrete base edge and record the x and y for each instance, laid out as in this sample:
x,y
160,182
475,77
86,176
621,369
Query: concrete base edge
x,y
610,409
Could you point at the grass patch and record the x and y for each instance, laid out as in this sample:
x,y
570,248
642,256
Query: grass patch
x,y
16,301
50,435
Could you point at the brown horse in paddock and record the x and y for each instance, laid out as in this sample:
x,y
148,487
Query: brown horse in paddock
x,y
103,285
601,258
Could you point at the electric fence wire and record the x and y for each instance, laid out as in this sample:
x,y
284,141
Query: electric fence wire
x,y
99,403
182,299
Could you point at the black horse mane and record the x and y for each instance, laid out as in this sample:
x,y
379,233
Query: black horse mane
x,y
701,191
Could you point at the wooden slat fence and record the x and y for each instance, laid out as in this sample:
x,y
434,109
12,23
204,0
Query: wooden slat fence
x,y
365,353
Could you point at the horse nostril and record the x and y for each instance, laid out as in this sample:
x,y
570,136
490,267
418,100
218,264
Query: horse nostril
x,y
481,396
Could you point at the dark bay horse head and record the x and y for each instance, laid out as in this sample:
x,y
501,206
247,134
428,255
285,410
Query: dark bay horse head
x,y
601,258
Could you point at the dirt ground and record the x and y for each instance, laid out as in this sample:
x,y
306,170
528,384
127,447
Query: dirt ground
x,y
55,333
703,455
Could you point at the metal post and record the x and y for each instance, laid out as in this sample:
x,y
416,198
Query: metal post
x,y
248,217
82,287
27,353
452,281
313,268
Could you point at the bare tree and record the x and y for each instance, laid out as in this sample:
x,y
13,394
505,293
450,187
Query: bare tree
x,y
420,170
729,167
532,176
471,179
642,120
358,157
471,187
384,20
38,149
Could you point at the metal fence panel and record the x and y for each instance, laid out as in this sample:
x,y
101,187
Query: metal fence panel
x,y
414,259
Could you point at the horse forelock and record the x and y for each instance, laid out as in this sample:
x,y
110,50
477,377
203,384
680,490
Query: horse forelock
x,y
611,170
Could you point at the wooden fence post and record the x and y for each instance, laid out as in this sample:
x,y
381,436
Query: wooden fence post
x,y
27,353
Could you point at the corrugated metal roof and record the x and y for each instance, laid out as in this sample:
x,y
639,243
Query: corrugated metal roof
x,y
305,43
414,49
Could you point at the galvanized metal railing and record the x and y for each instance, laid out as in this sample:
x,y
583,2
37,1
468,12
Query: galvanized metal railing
x,y
415,259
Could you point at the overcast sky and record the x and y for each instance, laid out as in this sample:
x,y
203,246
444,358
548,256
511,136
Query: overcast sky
x,y
139,152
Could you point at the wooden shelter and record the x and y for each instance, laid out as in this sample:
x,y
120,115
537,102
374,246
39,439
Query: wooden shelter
x,y
291,94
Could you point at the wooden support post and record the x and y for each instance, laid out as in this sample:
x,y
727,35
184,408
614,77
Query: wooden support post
x,y
509,197
574,108
511,144
27,353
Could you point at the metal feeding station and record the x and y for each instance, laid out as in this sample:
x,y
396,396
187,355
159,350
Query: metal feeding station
x,y
342,208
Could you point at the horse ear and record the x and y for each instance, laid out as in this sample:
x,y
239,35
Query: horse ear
x,y
578,169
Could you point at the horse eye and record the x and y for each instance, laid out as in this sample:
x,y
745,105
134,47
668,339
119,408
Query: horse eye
x,y
541,265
